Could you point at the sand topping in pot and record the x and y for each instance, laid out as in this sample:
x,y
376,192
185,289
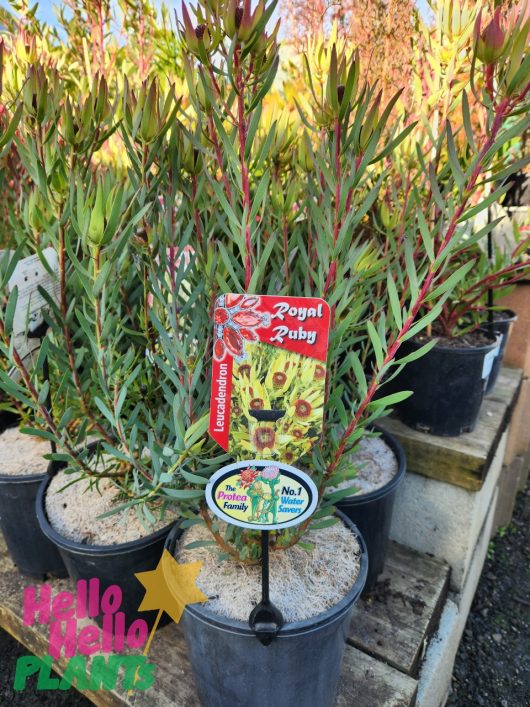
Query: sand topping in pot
x,y
303,583
22,454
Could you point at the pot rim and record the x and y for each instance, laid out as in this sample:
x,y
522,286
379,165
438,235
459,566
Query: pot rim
x,y
74,547
391,485
510,316
20,478
469,350
331,615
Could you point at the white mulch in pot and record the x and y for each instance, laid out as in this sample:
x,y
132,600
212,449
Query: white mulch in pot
x,y
22,454
375,465
302,583
74,512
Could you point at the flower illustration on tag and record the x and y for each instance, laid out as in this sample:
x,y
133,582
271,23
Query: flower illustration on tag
x,y
236,319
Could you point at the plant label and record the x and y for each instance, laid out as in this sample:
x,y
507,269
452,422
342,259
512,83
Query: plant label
x,y
268,375
261,495
489,359
29,275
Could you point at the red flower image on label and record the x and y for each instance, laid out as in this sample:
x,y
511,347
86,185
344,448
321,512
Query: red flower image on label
x,y
219,349
233,341
221,315
235,320
247,477
233,300
248,334
247,319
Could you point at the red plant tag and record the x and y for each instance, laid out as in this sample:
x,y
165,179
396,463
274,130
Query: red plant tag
x,y
268,375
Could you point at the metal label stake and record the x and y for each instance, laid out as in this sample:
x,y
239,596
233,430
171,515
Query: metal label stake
x,y
262,495
265,619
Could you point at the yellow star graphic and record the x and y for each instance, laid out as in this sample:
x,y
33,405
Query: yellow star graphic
x,y
171,586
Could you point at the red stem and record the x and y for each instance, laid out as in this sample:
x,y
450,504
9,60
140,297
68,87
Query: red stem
x,y
245,185
219,157
422,294
196,215
285,234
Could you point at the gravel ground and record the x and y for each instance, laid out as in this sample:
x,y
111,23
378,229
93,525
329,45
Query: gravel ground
x,y
492,664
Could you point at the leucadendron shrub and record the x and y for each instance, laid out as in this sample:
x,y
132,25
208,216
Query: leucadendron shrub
x,y
223,194
463,167
295,207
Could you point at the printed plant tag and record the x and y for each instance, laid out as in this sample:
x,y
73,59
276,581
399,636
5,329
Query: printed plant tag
x,y
28,275
268,375
261,496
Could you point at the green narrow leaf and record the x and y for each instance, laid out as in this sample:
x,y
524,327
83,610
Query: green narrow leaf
x,y
454,164
105,410
467,122
492,198
271,75
376,343
437,194
415,355
10,310
193,478
389,400
43,392
319,525
452,281
394,300
6,138
425,235
359,373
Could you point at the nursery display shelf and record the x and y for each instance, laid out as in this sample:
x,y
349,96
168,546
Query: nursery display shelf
x,y
389,634
462,461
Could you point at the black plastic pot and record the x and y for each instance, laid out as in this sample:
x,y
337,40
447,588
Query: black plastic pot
x,y
300,667
111,564
448,387
372,513
31,551
501,328
8,419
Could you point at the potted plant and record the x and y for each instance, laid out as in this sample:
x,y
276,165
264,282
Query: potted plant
x,y
98,417
449,383
219,200
23,455
261,222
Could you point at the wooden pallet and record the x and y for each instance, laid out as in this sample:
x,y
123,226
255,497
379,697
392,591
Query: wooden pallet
x,y
395,622
465,460
388,635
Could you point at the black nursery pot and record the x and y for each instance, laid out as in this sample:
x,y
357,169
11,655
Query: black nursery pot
x,y
501,327
372,513
31,551
300,667
110,564
448,386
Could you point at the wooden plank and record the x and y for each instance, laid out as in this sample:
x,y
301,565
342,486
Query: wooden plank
x,y
462,461
173,686
395,621
507,383
366,682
